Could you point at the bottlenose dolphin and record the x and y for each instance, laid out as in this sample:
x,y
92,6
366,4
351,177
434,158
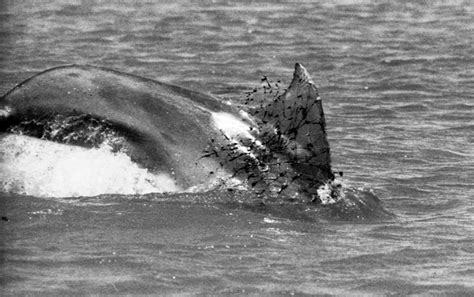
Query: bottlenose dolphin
x,y
279,147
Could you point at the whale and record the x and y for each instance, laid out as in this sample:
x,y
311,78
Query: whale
x,y
278,146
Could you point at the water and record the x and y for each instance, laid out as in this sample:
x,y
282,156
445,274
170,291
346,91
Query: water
x,y
398,86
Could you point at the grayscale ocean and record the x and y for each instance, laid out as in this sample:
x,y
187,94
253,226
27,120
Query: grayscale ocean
x,y
397,83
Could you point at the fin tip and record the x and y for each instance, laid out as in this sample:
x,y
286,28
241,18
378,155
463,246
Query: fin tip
x,y
302,74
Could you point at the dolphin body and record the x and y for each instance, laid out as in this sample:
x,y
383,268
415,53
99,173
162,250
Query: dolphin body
x,y
279,147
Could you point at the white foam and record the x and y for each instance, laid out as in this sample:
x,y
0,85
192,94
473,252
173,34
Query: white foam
x,y
42,168
326,192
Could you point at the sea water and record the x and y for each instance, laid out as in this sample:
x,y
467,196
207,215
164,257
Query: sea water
x,y
397,84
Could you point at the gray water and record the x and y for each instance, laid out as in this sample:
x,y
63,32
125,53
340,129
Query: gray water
x,y
397,82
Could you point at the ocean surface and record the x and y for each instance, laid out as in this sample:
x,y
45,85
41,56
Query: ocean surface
x,y
397,83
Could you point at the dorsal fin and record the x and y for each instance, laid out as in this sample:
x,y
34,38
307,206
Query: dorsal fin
x,y
298,116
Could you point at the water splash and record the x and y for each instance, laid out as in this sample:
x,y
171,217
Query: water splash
x,y
32,166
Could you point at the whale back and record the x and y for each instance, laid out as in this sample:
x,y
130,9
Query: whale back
x,y
167,126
